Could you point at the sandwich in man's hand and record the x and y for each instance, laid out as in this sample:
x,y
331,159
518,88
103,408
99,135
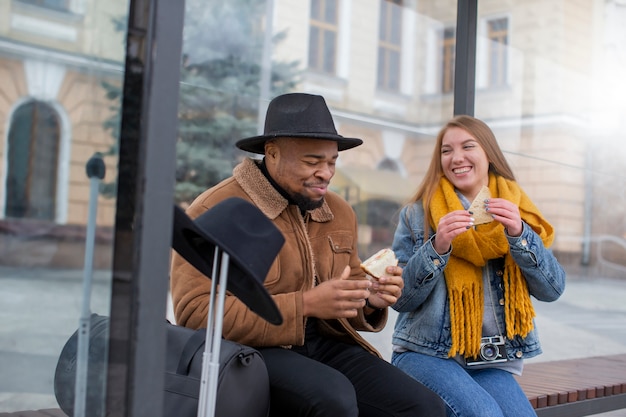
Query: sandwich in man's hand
x,y
376,265
477,207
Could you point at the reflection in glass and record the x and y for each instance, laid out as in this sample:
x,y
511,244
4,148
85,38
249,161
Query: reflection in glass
x,y
220,88
548,82
33,147
55,58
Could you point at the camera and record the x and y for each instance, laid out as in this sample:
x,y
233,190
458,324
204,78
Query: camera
x,y
492,350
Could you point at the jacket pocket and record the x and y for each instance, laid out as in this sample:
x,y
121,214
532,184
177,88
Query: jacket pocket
x,y
340,243
341,249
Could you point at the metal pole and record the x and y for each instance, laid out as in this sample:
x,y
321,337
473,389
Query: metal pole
x,y
465,61
214,365
266,66
203,400
588,207
213,343
95,172
135,377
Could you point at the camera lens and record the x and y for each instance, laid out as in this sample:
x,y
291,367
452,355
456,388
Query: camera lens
x,y
489,351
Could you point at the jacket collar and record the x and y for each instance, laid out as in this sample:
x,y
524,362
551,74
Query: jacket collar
x,y
266,197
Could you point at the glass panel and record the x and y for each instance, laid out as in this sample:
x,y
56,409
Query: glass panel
x,y
60,83
314,48
395,29
560,120
448,58
315,9
330,13
497,38
323,37
394,68
32,162
558,113
220,103
390,46
329,52
52,4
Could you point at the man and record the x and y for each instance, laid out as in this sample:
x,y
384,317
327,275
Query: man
x,y
317,362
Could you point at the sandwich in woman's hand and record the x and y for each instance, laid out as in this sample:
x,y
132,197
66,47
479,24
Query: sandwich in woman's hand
x,y
376,265
477,207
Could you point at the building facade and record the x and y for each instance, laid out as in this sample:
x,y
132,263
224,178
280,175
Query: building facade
x,y
387,71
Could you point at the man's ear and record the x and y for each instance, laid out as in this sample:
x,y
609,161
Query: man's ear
x,y
271,149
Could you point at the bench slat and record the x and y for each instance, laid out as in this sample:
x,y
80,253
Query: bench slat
x,y
562,383
49,412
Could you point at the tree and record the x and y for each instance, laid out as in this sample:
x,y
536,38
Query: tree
x,y
220,89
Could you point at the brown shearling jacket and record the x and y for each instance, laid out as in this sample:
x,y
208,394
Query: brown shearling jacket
x,y
320,244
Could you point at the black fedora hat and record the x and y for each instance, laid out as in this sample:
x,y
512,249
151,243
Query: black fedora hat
x,y
249,238
297,115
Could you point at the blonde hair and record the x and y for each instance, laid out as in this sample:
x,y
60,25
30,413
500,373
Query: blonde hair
x,y
487,141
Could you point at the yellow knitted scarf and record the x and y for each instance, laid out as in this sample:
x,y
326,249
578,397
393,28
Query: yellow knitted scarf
x,y
471,251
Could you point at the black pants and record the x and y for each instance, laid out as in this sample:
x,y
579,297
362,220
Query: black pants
x,y
333,379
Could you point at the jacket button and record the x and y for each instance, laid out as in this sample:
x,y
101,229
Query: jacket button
x,y
501,301
436,262
524,242
499,272
519,354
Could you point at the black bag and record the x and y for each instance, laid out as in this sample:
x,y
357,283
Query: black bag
x,y
243,384
243,387
65,373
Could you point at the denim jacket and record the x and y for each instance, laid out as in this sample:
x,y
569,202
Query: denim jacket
x,y
423,323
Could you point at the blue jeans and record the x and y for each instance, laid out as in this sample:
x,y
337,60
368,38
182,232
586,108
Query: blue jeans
x,y
467,392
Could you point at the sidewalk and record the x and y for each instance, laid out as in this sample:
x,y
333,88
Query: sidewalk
x,y
39,310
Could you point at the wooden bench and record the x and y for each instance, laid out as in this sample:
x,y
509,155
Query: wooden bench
x,y
49,412
567,388
576,387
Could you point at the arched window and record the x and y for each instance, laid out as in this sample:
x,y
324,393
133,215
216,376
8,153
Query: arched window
x,y
33,154
388,164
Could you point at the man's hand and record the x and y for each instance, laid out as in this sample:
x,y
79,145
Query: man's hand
x,y
386,290
340,297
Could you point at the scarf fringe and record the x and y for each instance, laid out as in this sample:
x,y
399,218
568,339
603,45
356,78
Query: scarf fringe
x,y
520,312
468,327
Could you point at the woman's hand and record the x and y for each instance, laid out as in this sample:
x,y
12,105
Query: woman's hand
x,y
450,226
507,213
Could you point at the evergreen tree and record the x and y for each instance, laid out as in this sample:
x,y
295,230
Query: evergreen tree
x,y
220,89
221,73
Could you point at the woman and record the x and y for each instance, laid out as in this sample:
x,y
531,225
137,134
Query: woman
x,y
466,320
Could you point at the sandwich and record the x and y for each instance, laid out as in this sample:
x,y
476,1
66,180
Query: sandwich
x,y
477,207
376,265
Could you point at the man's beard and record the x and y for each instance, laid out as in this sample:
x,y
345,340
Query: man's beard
x,y
305,204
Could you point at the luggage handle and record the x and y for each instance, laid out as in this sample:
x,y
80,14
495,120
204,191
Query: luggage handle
x,y
195,343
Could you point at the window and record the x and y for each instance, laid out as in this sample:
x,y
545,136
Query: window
x,y
448,56
62,5
388,164
33,154
323,36
498,39
390,45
